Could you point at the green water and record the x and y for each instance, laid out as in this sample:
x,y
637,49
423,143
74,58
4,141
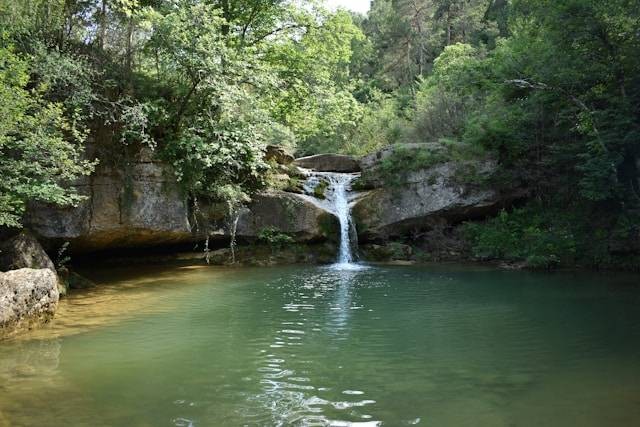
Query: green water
x,y
391,346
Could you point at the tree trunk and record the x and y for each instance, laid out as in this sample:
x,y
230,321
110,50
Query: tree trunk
x,y
102,25
226,14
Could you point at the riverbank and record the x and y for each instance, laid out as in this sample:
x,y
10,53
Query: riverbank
x,y
319,209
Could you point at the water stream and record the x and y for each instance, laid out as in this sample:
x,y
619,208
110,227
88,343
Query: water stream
x,y
338,200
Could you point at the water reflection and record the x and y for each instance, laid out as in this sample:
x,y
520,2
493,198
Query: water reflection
x,y
315,346
341,305
290,394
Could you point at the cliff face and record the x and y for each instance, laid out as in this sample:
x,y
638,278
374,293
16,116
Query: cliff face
x,y
425,198
424,205
144,207
290,213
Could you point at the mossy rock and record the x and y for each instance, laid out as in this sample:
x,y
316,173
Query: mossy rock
x,y
393,251
320,190
329,226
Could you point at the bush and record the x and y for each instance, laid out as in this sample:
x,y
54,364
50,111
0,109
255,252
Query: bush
x,y
40,148
529,234
394,169
549,236
274,237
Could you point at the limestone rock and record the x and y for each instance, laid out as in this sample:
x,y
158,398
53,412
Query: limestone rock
x,y
139,208
28,298
388,252
278,154
23,251
143,206
426,198
288,213
329,163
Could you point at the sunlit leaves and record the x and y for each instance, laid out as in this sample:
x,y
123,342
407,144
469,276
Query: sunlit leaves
x,y
37,161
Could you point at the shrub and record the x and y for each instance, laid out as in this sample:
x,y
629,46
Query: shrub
x,y
545,236
275,238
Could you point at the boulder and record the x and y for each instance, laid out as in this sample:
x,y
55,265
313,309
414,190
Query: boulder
x,y
28,298
292,214
138,208
329,163
427,197
278,154
23,251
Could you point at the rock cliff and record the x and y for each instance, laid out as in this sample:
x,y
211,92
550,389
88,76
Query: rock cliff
x,y
289,213
144,207
426,198
141,206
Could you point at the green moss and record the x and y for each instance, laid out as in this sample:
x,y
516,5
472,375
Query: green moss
x,y
294,185
328,226
320,190
394,169
274,238
291,210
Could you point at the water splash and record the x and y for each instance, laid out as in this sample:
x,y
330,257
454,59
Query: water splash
x,y
338,200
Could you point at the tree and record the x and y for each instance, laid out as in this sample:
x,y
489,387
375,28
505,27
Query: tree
x,y
40,150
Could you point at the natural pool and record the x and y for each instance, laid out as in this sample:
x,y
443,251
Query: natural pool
x,y
392,346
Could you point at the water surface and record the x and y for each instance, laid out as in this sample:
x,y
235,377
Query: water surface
x,y
391,346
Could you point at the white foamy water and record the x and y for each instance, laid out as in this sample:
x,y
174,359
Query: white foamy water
x,y
338,198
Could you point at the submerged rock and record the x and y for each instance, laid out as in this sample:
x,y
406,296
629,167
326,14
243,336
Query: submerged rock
x,y
329,163
28,298
73,280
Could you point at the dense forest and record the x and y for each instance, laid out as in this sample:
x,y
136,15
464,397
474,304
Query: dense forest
x,y
550,89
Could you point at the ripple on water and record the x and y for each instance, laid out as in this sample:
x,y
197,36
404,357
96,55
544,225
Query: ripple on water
x,y
383,346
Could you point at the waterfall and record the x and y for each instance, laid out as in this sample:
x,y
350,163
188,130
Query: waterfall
x,y
337,200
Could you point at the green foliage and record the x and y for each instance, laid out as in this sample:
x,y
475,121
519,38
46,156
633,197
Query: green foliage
x,y
381,125
554,100
394,169
527,235
206,84
403,159
274,237
320,189
40,151
547,236
209,157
